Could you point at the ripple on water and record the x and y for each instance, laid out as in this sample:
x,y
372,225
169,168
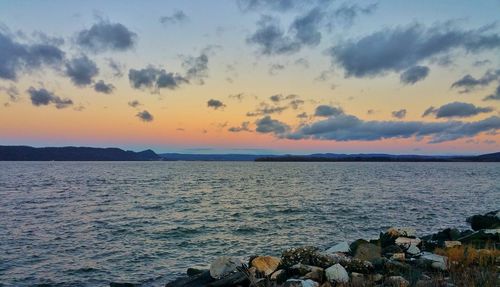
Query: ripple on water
x,y
89,223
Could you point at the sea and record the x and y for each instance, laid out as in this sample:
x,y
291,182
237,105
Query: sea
x,y
92,223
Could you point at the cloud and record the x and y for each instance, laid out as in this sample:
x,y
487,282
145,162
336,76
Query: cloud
x,y
196,68
347,13
243,128
350,128
238,96
155,79
43,97
304,63
102,87
276,98
134,103
302,115
116,67
215,104
265,109
17,57
12,92
295,104
274,68
177,17
271,38
275,5
456,110
268,125
145,116
106,36
495,96
468,83
81,70
401,114
399,48
327,111
303,31
414,74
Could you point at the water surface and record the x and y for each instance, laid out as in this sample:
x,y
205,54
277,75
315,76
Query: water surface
x,y
89,223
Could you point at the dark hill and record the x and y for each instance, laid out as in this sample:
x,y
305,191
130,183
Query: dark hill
x,y
27,153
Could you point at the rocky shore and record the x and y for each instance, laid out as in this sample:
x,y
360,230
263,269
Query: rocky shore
x,y
397,258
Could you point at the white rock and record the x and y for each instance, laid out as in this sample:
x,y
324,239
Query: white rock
x,y
413,250
406,242
340,247
450,244
438,261
337,274
492,231
303,283
223,266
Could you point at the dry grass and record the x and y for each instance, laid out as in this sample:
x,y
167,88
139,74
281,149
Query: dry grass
x,y
470,267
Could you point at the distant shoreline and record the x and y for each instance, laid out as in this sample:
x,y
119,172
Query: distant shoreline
x,y
28,153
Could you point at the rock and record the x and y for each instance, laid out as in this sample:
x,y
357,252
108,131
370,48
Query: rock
x,y
202,279
300,283
377,278
367,251
413,250
481,238
450,244
336,274
397,281
391,249
398,256
402,232
316,275
302,269
307,255
266,264
393,267
118,284
194,271
233,279
490,220
406,242
359,266
279,276
437,261
224,266
342,247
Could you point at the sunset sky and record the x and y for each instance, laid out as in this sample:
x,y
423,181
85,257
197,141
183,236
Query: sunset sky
x,y
252,76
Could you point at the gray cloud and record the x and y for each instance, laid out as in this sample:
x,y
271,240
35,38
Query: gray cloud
x,y
304,63
268,125
456,109
350,128
468,83
414,74
327,111
243,128
303,31
274,5
145,116
215,104
347,13
274,68
102,87
276,98
196,68
302,115
265,109
116,67
17,57
155,79
295,104
81,70
401,114
134,103
12,92
176,18
396,49
43,97
106,36
495,96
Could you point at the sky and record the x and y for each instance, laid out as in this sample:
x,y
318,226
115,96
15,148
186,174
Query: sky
x,y
252,76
